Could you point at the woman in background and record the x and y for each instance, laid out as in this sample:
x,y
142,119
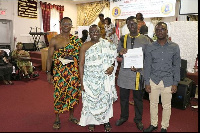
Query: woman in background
x,y
110,31
23,62
140,20
101,25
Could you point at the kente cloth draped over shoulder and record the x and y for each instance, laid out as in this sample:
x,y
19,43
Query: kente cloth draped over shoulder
x,y
66,77
100,91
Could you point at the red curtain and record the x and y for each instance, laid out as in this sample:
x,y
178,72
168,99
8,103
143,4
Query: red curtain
x,y
60,9
46,14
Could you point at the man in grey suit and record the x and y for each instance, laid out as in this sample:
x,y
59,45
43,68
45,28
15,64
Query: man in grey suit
x,y
127,76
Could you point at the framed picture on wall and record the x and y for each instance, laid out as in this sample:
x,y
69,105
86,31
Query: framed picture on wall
x,y
27,8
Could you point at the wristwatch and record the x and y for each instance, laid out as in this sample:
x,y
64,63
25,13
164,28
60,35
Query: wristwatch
x,y
48,71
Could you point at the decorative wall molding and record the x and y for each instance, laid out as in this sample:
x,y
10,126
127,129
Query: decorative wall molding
x,y
88,12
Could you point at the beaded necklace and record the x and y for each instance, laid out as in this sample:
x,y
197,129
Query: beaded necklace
x,y
134,36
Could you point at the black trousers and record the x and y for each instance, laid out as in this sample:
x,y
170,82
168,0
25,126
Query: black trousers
x,y
138,104
6,71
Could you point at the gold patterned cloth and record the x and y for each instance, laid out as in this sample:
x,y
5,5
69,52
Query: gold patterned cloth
x,y
88,12
102,29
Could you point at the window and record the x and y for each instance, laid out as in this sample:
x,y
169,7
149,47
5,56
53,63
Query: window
x,y
54,21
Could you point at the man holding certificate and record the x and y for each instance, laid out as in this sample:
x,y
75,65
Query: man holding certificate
x,y
131,48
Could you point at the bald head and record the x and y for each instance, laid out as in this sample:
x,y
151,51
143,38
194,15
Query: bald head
x,y
94,32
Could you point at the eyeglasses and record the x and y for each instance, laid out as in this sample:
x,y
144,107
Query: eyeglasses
x,y
94,32
132,24
66,24
162,30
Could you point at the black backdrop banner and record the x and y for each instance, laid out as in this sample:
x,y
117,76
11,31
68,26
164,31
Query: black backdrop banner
x,y
27,8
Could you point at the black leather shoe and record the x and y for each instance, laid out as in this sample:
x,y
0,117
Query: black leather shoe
x,y
35,75
120,121
140,126
150,128
163,130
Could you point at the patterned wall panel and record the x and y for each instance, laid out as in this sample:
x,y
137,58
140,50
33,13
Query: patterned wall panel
x,y
27,8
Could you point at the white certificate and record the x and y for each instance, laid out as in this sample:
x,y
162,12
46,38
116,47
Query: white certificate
x,y
65,61
133,57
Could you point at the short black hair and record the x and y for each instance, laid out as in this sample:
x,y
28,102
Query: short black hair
x,y
65,18
143,29
142,18
94,25
84,35
160,23
130,18
84,32
109,20
101,15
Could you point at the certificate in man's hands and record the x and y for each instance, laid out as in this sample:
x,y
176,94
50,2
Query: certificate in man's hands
x,y
133,57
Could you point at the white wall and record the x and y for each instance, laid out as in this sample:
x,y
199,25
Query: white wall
x,y
185,34
7,6
21,26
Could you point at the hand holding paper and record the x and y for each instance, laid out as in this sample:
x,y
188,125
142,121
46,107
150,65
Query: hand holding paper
x,y
123,51
133,57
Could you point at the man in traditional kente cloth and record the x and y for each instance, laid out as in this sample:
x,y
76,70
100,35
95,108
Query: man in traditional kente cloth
x,y
64,52
96,67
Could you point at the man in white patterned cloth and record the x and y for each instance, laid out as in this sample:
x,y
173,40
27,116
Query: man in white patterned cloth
x,y
97,59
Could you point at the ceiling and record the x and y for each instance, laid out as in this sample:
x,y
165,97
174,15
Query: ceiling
x,y
85,0
76,1
82,1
